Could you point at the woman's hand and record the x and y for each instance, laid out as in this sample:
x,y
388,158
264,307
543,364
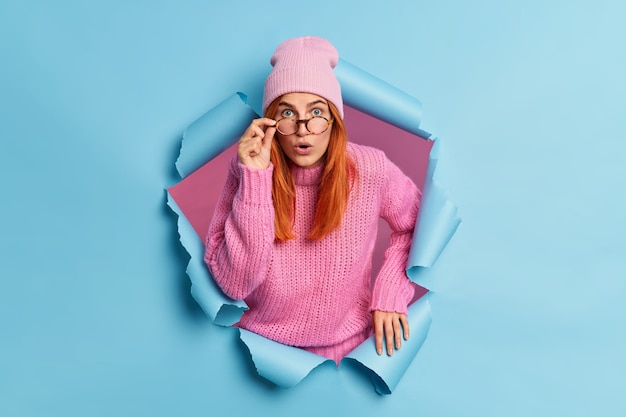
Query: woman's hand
x,y
391,326
256,142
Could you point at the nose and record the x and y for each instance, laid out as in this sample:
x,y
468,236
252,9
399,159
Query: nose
x,y
302,129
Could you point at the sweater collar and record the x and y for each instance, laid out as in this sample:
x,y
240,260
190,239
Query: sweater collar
x,y
307,176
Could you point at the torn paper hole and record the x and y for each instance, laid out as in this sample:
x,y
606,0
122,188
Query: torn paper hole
x,y
206,149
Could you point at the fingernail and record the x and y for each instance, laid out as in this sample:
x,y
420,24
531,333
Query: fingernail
x,y
379,351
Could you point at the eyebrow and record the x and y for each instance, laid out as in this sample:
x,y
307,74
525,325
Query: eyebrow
x,y
309,105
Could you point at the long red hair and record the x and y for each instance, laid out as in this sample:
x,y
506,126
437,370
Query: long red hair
x,y
334,189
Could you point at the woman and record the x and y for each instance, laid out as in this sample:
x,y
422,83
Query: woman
x,y
294,231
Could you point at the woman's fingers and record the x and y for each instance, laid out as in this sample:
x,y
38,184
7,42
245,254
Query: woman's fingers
x,y
390,327
378,331
256,142
268,137
405,326
258,128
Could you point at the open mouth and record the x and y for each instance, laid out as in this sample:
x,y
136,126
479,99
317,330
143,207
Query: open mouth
x,y
303,145
303,148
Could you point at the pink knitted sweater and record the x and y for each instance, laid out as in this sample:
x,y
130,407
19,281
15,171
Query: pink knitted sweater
x,y
316,295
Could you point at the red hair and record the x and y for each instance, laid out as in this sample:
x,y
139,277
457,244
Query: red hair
x,y
334,189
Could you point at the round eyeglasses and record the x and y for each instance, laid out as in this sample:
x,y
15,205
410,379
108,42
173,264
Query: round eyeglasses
x,y
316,125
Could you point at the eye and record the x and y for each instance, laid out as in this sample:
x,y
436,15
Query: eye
x,y
287,113
317,112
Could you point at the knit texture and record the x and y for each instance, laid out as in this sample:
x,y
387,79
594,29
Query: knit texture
x,y
304,65
316,295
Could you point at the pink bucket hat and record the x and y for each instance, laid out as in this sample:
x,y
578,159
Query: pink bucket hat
x,y
304,65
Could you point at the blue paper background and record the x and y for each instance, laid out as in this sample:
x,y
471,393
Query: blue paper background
x,y
528,98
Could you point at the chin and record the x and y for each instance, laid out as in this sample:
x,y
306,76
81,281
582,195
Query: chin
x,y
306,162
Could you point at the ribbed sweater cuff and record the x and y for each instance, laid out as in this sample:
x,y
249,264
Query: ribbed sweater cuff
x,y
392,298
256,185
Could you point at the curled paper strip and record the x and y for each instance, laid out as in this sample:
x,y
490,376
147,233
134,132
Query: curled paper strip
x,y
193,199
438,219
386,371
373,96
284,365
213,132
202,164
437,223
221,309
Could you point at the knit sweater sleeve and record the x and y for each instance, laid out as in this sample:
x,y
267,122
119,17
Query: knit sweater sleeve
x,y
392,290
241,235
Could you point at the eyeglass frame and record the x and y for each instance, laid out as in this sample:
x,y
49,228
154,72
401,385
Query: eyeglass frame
x,y
306,124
